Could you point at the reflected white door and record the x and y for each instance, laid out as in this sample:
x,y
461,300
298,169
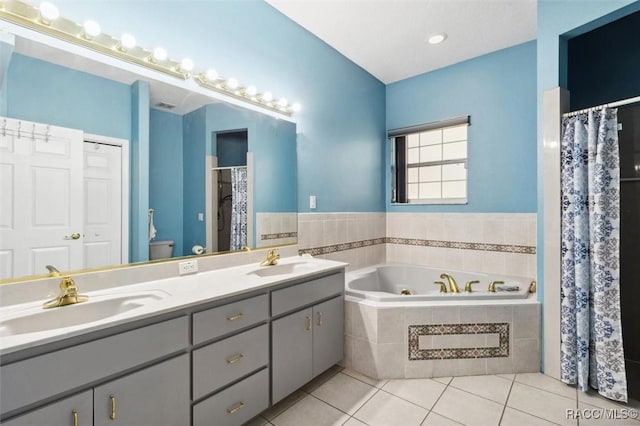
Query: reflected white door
x,y
102,205
42,209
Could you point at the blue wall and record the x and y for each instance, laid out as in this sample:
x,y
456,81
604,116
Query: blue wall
x,y
341,126
196,137
48,93
139,206
498,91
558,21
165,176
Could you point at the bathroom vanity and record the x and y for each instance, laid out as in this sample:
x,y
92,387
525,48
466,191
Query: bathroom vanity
x,y
221,348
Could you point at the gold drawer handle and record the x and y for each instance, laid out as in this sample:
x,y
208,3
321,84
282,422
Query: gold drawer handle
x,y
74,413
309,321
320,322
235,359
235,409
112,398
235,317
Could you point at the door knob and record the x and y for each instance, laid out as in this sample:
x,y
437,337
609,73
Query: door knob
x,y
73,236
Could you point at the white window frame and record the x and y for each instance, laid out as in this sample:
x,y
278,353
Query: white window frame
x,y
413,131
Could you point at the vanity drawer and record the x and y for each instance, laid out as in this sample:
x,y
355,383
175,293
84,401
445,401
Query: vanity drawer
x,y
236,404
290,298
40,377
222,362
227,318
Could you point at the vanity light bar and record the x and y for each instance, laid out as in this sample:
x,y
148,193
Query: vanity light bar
x,y
30,16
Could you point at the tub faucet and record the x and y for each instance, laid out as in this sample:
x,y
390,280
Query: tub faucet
x,y
493,284
467,286
453,286
272,258
68,295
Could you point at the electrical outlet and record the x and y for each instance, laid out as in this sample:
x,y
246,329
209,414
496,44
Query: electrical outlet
x,y
188,267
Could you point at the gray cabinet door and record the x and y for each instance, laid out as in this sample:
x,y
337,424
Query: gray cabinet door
x,y
292,353
157,395
328,334
74,410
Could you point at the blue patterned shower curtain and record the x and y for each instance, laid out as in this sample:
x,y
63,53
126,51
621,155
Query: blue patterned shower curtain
x,y
592,352
238,208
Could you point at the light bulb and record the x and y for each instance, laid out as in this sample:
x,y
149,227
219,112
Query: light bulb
x,y
127,41
186,64
48,12
212,75
251,91
159,54
296,107
232,83
91,29
283,102
267,96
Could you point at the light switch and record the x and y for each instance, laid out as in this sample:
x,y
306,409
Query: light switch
x,y
201,217
312,201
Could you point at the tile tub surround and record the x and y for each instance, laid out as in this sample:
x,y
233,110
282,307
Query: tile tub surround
x,y
424,340
499,243
276,229
355,238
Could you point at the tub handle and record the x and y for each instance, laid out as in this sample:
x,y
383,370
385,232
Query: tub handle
x,y
493,284
443,286
467,286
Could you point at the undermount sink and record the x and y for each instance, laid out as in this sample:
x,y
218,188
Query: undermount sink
x,y
280,269
97,308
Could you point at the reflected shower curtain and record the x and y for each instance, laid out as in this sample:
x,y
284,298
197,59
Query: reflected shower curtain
x,y
591,332
238,208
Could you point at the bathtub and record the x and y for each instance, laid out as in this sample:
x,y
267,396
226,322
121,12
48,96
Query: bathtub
x,y
386,283
389,335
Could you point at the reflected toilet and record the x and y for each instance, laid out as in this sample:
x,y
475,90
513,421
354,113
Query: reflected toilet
x,y
161,249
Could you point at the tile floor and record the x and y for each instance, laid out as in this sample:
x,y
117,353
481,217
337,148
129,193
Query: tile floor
x,y
345,397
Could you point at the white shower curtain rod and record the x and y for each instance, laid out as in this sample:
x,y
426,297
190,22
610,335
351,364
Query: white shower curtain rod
x,y
229,168
610,105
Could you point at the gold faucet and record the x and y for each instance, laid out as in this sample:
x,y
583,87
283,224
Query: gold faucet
x,y
453,286
467,286
272,258
493,284
443,286
68,295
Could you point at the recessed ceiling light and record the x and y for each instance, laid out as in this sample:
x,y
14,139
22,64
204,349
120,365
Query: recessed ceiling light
x,y
437,38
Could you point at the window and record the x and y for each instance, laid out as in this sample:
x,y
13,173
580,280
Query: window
x,y
430,163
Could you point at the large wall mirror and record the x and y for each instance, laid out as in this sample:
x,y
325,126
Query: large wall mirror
x,y
202,157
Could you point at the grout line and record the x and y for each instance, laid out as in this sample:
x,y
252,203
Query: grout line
x,y
533,415
547,390
504,407
365,403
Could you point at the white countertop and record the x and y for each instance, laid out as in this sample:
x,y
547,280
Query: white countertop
x,y
180,292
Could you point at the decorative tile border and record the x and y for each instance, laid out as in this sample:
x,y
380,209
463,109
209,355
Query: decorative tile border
x,y
278,236
501,351
504,248
316,251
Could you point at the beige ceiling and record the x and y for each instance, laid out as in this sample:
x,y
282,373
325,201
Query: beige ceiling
x,y
388,37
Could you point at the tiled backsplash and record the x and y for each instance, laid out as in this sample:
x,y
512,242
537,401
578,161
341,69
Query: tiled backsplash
x,y
276,229
500,243
355,238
